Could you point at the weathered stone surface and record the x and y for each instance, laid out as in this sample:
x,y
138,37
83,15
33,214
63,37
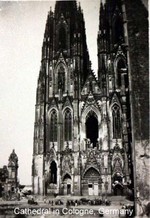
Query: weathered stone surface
x,y
142,168
137,27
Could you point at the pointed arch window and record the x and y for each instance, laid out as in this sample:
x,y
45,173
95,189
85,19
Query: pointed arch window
x,y
68,125
116,122
62,38
53,126
121,67
117,28
92,128
53,173
61,77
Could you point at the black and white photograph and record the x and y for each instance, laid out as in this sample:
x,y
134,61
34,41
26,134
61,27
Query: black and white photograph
x,y
74,109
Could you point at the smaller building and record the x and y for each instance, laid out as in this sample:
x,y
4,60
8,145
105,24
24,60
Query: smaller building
x,y
9,175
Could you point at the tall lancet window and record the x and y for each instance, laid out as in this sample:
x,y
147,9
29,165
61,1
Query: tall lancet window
x,y
68,125
121,68
116,122
53,126
117,28
61,78
62,38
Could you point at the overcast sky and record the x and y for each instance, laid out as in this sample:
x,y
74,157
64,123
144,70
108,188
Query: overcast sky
x,y
22,26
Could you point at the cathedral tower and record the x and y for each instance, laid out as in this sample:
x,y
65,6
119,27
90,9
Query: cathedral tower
x,y
82,132
64,69
12,180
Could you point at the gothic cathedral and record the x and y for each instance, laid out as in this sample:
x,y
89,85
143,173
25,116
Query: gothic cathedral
x,y
82,132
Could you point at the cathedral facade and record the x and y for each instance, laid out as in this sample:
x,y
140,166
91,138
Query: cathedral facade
x,y
83,128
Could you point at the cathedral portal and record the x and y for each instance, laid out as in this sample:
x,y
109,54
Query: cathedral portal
x,y
91,182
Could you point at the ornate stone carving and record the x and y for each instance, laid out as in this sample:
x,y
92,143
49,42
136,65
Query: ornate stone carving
x,y
67,160
51,155
67,102
67,163
92,160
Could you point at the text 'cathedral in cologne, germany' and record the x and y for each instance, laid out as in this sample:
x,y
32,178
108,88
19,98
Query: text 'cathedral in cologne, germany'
x,y
83,129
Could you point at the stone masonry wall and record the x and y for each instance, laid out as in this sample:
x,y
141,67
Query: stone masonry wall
x,y
137,27
137,24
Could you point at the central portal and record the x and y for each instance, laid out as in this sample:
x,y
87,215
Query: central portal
x,y
91,182
92,128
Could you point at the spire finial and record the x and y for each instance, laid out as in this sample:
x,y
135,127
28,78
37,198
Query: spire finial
x,y
79,6
51,12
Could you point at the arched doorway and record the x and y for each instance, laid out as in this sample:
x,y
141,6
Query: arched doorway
x,y
91,178
53,172
67,184
92,128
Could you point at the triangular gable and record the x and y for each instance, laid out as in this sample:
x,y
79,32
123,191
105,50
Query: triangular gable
x,y
120,53
115,99
91,84
53,103
67,102
91,162
61,59
90,100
